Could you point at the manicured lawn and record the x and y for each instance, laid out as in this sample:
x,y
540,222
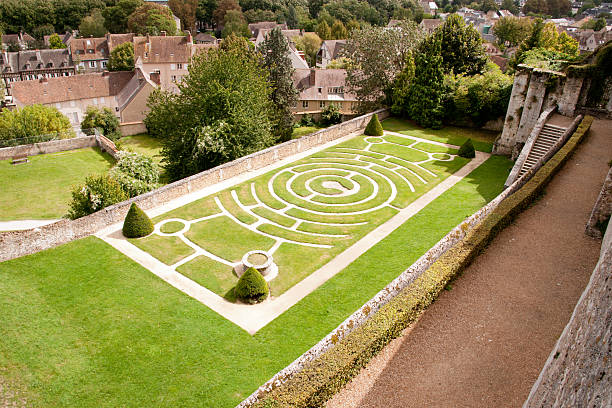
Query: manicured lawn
x,y
143,144
41,188
303,131
482,139
84,326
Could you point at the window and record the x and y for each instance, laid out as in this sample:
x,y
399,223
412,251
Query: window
x,y
304,104
95,101
73,104
321,104
92,64
173,78
172,67
320,90
186,66
102,100
103,64
75,117
88,42
179,66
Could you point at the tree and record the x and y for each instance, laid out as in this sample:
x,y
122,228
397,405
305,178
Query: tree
x,y
55,42
511,6
352,25
323,31
116,17
544,38
223,7
377,55
98,192
400,88
251,287
185,10
310,43
122,58
488,5
275,55
235,24
137,223
204,12
40,32
338,31
461,46
222,112
511,31
104,119
330,115
555,8
32,121
595,25
93,25
424,98
151,19
292,17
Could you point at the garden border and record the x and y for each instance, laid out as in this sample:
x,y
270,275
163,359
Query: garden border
x,y
320,372
14,244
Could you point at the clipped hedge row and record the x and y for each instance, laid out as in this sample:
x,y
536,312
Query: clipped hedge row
x,y
326,375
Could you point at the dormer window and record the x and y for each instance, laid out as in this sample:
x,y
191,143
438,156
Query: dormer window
x,y
88,42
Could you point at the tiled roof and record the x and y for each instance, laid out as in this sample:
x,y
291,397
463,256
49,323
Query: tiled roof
x,y
334,47
34,59
85,49
205,38
162,49
255,27
114,40
324,79
70,88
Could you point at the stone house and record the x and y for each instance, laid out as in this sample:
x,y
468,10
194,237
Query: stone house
x,y
330,50
21,39
429,25
125,93
319,88
33,65
90,54
205,38
265,25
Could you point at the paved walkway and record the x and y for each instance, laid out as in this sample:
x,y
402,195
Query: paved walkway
x,y
483,343
23,224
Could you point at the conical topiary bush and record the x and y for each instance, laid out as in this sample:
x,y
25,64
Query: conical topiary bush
x,y
374,127
137,224
251,287
467,150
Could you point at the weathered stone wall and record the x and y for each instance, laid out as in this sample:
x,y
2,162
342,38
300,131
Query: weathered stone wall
x,y
133,128
578,372
14,244
107,145
571,93
52,146
505,143
602,209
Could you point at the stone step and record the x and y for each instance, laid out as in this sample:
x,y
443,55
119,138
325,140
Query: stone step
x,y
548,125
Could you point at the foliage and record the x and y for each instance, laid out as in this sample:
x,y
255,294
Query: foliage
x,y
34,120
424,98
116,16
223,7
461,47
511,31
136,173
400,87
555,8
104,119
598,71
97,193
251,287
234,23
222,112
93,25
377,56
185,10
40,32
151,19
594,24
275,56
324,31
55,42
545,59
122,58
310,43
511,6
338,31
330,115
307,121
374,128
467,150
137,224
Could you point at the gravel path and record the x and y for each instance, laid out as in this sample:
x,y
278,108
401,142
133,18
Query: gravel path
x,y
483,343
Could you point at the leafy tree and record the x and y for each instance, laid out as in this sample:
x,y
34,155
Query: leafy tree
x,y
374,128
221,113
330,115
426,91
136,173
310,43
40,32
594,24
275,55
151,19
545,37
461,46
223,7
511,31
292,17
251,287
323,31
555,8
93,25
339,63
185,10
488,5
510,5
467,150
338,31
104,119
97,193
33,120
377,55
255,16
67,14
352,25
55,42
122,58
204,12
401,86
235,24
116,17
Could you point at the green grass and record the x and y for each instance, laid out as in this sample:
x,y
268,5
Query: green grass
x,y
172,227
211,274
143,144
274,216
41,188
482,139
303,131
192,211
84,326
168,250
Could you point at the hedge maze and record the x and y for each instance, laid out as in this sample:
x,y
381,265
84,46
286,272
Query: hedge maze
x,y
303,214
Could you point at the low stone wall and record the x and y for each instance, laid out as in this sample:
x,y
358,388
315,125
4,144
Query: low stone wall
x,y
578,372
133,128
107,145
52,146
14,244
600,216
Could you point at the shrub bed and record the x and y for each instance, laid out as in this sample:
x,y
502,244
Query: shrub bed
x,y
327,374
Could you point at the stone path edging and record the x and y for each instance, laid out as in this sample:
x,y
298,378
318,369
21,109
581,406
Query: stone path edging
x,y
18,225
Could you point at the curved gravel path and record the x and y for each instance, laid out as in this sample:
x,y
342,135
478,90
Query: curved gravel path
x,y
483,343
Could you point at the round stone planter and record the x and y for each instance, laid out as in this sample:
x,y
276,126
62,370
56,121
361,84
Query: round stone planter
x,y
260,260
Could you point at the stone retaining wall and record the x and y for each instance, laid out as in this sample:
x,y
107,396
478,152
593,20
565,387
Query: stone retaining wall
x,y
14,244
52,146
107,145
133,128
602,209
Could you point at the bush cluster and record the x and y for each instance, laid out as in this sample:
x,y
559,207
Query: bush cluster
x,y
467,150
251,287
331,115
97,192
137,224
104,120
35,122
374,128
136,173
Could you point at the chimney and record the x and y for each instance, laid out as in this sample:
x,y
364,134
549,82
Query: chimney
x,y
189,37
148,39
155,77
313,74
163,33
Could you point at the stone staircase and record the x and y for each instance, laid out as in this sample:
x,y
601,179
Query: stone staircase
x,y
549,135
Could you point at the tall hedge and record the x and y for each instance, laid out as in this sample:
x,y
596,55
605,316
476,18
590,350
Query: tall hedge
x,y
137,224
251,287
374,127
467,150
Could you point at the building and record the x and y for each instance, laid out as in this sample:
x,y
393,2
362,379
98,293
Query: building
x,y
21,41
66,38
35,64
429,7
125,93
429,25
90,54
265,25
205,38
318,88
330,50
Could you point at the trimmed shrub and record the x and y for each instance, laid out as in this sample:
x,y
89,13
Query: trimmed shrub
x,y
331,115
137,224
97,193
374,127
467,150
251,287
136,173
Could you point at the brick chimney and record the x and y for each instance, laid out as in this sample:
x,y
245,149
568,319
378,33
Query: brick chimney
x,y
189,37
313,76
163,33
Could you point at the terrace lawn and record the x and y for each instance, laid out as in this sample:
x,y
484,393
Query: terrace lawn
x,y
303,131
41,188
482,139
84,326
143,144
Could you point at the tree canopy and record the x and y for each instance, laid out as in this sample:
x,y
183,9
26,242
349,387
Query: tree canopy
x,y
461,46
122,58
116,17
55,42
93,25
32,121
186,11
151,19
511,31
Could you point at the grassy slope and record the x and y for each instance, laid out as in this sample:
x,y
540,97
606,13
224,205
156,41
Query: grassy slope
x,y
100,331
41,188
143,144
